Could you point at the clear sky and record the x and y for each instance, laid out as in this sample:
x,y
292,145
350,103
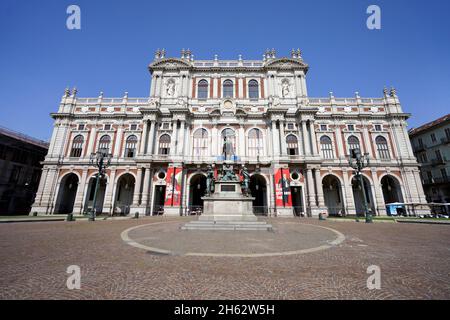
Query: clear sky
x,y
39,56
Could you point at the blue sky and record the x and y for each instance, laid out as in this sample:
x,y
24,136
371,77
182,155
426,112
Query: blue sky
x,y
39,56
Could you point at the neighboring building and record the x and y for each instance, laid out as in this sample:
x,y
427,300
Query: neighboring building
x,y
294,146
431,144
20,171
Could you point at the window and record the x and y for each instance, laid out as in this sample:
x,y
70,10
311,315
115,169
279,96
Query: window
x,y
103,146
200,142
130,146
378,127
164,144
230,136
438,155
323,127
444,173
433,137
429,175
447,133
351,127
255,142
81,127
15,174
290,126
292,145
253,89
77,146
133,127
327,147
203,89
228,89
353,143
382,147
166,126
3,149
107,127
424,158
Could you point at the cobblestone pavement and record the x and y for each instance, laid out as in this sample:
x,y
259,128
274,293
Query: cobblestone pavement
x,y
414,261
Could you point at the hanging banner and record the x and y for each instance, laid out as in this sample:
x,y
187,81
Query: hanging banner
x,y
178,176
283,197
173,187
169,187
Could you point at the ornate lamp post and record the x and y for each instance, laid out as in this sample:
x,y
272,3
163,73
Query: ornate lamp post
x,y
101,160
359,162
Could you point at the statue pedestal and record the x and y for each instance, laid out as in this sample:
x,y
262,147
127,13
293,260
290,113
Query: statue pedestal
x,y
228,209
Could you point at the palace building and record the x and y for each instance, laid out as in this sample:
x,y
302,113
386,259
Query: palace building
x,y
295,147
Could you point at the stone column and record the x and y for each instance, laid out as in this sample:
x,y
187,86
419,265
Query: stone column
x,y
118,141
180,144
380,206
367,142
149,148
307,147
350,209
78,204
215,138
145,188
282,139
143,138
242,150
312,131
185,151
137,188
108,204
92,138
320,197
275,139
339,144
311,197
173,141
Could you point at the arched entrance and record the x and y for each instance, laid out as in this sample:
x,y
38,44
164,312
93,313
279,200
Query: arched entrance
x,y
197,189
359,197
392,191
158,199
100,196
67,193
332,195
124,194
258,189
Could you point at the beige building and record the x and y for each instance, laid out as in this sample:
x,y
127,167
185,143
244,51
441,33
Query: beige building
x,y
294,146
431,144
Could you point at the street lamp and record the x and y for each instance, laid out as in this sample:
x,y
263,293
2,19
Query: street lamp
x,y
101,160
359,162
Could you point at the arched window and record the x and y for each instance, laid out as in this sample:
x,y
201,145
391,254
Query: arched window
x,y
353,143
77,146
228,89
130,146
103,146
327,147
292,145
255,142
382,147
164,144
200,143
203,89
230,136
253,89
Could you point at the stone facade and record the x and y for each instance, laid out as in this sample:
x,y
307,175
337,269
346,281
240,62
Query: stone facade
x,y
431,145
294,146
20,170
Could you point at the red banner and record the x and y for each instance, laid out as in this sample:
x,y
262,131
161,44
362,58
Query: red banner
x,y
173,187
283,197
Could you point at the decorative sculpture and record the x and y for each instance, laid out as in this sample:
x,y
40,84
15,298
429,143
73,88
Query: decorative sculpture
x,y
228,173
285,88
245,181
170,88
227,149
210,181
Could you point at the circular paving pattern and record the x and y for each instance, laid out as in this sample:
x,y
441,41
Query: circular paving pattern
x,y
288,238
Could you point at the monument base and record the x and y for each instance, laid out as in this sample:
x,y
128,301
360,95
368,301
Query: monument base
x,y
227,209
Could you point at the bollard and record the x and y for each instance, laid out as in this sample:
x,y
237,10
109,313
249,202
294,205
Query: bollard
x,y
35,214
136,215
70,217
321,217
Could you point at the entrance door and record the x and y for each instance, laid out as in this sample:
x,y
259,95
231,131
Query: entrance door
x,y
158,202
297,201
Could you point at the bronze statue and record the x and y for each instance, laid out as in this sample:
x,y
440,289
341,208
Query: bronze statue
x,y
245,181
227,148
210,181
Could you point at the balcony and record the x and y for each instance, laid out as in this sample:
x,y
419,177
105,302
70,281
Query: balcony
x,y
445,140
438,161
420,147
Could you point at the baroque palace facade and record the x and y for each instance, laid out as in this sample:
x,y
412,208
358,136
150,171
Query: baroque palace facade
x,y
295,147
